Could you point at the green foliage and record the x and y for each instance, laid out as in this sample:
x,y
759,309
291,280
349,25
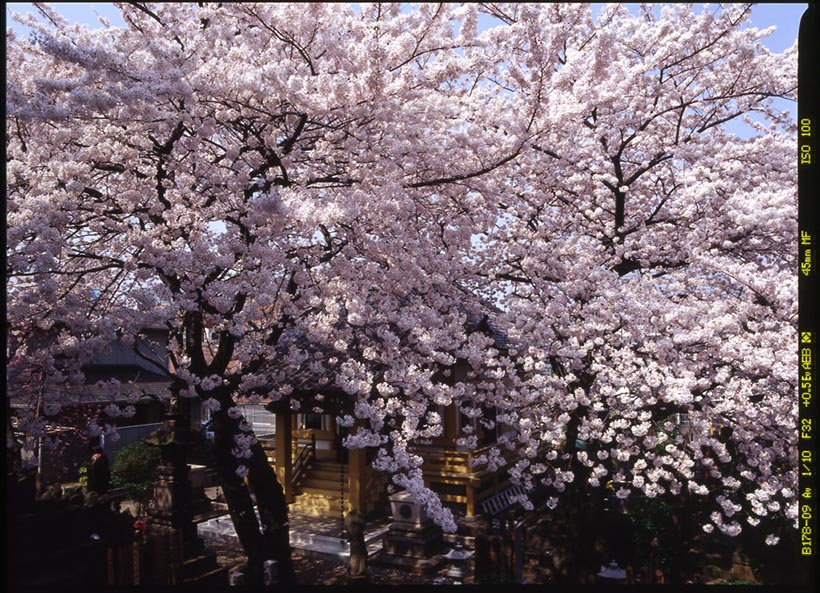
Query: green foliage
x,y
650,519
135,469
82,475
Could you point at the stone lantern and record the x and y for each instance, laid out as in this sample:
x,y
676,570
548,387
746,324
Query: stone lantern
x,y
173,496
177,553
459,559
612,574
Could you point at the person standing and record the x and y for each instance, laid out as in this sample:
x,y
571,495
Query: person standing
x,y
99,473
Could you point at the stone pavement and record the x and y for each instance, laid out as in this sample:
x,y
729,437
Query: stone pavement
x,y
310,535
324,540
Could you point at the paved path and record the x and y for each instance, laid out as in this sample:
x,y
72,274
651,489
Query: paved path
x,y
319,535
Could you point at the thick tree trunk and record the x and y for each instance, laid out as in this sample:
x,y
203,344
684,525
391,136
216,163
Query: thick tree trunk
x,y
237,495
581,546
273,512
271,540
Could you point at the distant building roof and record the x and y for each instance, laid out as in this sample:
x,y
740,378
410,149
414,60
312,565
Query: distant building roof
x,y
122,372
97,394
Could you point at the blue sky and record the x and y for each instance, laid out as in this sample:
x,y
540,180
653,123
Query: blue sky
x,y
786,17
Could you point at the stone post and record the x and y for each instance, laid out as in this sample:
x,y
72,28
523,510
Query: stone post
x,y
357,567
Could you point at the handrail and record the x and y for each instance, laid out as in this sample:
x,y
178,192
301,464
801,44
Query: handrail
x,y
502,501
303,459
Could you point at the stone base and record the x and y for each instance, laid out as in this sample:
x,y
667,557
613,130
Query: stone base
x,y
424,566
414,544
178,558
412,549
458,573
407,527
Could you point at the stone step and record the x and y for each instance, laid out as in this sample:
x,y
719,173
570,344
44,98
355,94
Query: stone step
x,y
331,466
317,493
311,510
324,545
313,544
196,566
217,577
334,492
308,492
328,475
322,483
323,504
314,511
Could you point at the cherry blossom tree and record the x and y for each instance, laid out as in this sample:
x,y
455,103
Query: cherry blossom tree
x,y
371,179
648,260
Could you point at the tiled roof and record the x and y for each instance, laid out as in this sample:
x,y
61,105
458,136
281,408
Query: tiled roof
x,y
96,394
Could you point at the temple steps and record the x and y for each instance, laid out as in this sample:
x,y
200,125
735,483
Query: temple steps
x,y
318,493
197,566
318,506
333,492
325,484
325,476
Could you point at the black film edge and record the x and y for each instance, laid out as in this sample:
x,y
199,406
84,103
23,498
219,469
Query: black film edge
x,y
808,185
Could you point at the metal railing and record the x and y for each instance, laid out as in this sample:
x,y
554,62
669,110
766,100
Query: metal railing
x,y
303,460
502,501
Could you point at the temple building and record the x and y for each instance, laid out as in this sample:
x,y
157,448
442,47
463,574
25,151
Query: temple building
x,y
321,477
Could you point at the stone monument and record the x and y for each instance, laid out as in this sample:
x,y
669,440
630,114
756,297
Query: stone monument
x,y
413,541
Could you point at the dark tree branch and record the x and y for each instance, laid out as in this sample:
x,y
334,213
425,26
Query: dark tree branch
x,y
454,178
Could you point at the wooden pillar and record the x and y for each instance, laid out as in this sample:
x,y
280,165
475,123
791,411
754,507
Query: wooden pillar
x,y
470,487
284,453
451,423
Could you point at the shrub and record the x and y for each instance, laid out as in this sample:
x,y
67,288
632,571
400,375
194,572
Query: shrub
x,y
82,475
135,469
650,519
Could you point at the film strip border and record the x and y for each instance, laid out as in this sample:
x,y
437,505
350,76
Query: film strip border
x,y
809,196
